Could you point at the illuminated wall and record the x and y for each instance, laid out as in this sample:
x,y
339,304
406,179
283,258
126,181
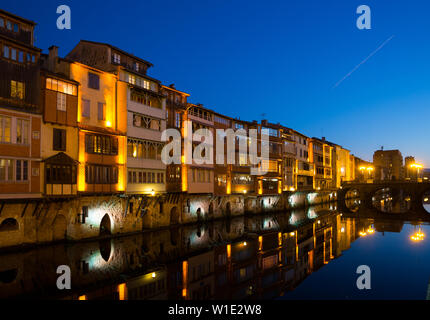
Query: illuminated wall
x,y
110,125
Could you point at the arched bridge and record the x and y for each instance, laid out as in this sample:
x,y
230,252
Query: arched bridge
x,y
414,191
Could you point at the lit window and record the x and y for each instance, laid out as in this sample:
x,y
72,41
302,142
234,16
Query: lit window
x,y
5,129
131,79
61,101
6,170
146,84
17,89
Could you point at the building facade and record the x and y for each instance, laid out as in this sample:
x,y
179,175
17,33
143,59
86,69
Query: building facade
x,y
20,118
59,136
388,165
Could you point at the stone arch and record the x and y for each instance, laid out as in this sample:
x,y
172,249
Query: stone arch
x,y
199,214
105,247
9,224
8,276
426,200
174,236
382,199
105,225
59,228
174,216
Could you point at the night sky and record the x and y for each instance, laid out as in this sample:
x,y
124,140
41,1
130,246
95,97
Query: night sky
x,y
281,58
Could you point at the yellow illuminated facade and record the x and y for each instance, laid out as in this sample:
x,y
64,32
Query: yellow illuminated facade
x,y
101,140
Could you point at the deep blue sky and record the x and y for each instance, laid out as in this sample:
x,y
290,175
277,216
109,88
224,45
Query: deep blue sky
x,y
281,58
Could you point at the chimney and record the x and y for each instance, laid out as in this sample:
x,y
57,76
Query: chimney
x,y
52,58
323,138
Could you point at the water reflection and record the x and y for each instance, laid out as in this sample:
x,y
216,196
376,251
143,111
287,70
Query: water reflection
x,y
255,257
392,201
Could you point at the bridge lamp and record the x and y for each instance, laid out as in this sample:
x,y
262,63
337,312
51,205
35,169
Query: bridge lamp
x,y
416,166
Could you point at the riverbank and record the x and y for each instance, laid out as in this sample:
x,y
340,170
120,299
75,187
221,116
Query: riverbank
x,y
28,223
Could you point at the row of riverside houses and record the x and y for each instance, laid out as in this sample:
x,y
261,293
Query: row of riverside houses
x,y
91,123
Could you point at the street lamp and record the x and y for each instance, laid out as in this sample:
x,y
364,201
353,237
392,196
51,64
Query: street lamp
x,y
416,166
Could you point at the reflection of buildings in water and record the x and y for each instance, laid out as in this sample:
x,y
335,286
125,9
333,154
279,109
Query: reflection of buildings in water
x,y
392,201
166,265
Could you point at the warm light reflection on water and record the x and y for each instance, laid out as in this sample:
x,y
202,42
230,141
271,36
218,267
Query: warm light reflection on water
x,y
302,254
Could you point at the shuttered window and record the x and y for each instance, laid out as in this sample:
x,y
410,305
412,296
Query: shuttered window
x,y
59,139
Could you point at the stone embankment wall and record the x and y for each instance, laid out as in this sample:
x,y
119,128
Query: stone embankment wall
x,y
29,222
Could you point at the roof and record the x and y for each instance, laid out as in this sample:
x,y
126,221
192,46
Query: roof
x,y
174,89
61,158
120,50
18,17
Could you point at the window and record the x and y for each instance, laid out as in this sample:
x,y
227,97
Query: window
x,y
61,86
101,107
177,120
22,127
136,66
272,132
61,101
116,58
93,81
144,149
5,129
6,52
2,22
9,25
17,90
15,27
60,174
20,56
59,139
146,84
85,108
140,176
100,144
13,54
6,170
144,98
146,122
131,79
95,174
21,170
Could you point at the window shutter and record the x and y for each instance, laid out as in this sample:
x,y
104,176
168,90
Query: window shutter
x,y
63,139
